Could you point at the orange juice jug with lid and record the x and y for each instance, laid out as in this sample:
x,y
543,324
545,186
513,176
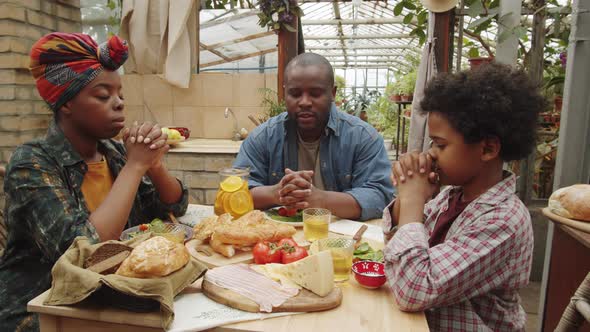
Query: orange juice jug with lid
x,y
233,196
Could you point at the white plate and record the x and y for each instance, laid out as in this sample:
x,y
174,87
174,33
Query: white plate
x,y
294,224
170,227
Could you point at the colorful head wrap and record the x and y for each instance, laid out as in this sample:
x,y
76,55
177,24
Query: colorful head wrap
x,y
64,63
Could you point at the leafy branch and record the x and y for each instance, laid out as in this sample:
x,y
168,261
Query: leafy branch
x,y
277,14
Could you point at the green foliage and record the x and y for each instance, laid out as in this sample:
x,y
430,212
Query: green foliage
x,y
415,14
484,14
277,14
115,19
224,4
408,83
271,104
360,102
340,83
383,116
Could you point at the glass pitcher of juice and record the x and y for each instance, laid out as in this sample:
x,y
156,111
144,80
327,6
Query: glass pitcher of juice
x,y
233,196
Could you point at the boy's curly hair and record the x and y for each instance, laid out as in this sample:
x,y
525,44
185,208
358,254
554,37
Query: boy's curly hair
x,y
491,100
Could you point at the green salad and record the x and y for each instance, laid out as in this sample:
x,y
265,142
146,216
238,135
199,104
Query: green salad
x,y
155,226
364,252
276,214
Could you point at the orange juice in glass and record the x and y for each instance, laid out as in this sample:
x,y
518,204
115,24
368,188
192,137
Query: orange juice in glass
x,y
316,223
233,196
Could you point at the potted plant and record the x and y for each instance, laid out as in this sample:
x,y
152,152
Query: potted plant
x,y
392,91
407,86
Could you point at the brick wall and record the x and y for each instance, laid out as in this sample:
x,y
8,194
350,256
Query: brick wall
x,y
201,106
23,114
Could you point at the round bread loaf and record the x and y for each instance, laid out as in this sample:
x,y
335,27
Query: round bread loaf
x,y
572,202
153,258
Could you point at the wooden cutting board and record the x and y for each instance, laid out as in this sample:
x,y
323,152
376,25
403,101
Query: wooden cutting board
x,y
217,259
583,226
305,301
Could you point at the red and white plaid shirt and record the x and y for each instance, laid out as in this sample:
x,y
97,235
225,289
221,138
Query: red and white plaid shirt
x,y
469,282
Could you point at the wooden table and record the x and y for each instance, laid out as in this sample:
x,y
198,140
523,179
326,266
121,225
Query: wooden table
x,y
361,310
569,265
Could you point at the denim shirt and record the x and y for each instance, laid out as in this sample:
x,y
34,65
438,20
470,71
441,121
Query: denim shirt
x,y
353,158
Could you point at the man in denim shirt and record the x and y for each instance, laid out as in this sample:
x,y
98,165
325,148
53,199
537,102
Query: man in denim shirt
x,y
314,155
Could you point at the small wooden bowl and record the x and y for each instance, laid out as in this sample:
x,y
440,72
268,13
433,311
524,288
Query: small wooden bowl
x,y
369,274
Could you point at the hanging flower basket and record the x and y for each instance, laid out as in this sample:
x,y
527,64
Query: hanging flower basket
x,y
279,14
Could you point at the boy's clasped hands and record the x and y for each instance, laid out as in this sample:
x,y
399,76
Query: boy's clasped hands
x,y
416,181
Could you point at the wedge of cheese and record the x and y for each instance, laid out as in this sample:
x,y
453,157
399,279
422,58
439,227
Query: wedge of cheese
x,y
274,272
315,272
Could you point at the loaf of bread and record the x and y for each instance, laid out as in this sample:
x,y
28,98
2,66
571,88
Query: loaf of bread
x,y
572,202
107,258
153,258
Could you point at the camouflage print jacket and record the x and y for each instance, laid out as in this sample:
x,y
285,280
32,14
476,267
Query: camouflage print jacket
x,y
45,211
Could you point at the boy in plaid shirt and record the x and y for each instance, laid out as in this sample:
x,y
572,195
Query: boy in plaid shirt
x,y
462,256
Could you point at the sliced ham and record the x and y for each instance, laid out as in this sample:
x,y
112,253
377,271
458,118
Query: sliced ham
x,y
243,280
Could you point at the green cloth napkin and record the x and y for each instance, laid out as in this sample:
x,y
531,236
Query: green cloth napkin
x,y
72,283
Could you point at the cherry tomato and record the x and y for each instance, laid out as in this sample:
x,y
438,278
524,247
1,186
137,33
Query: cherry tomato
x,y
287,242
282,212
266,252
293,254
143,227
291,212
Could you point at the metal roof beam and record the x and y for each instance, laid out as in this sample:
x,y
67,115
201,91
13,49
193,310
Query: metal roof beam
x,y
372,36
241,57
362,55
240,40
354,21
219,54
365,47
214,21
336,8
362,66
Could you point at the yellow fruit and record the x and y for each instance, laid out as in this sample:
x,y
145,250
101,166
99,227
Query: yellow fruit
x,y
240,203
225,203
231,183
218,206
173,134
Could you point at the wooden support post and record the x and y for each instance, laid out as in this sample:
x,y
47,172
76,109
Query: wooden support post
x,y
444,30
288,49
527,169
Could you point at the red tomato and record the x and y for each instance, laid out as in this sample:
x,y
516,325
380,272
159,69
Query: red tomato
x,y
287,242
282,212
266,252
291,212
143,227
293,254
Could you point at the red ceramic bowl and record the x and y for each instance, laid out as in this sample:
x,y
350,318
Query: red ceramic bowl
x,y
185,132
369,274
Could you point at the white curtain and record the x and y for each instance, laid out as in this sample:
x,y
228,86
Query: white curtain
x,y
418,137
162,36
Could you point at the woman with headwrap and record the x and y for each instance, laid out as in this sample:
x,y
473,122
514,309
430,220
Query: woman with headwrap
x,y
78,181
